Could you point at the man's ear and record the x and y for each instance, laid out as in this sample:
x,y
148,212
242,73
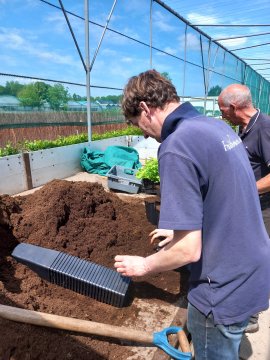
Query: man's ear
x,y
233,108
145,108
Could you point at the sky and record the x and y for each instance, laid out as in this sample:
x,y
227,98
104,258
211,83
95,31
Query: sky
x,y
35,41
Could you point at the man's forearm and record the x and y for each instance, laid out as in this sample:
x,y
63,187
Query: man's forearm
x,y
165,260
263,185
184,248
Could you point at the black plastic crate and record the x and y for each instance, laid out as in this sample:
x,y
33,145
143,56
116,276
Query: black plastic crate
x,y
84,277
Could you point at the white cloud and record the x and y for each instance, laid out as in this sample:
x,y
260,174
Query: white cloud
x,y
162,22
170,50
112,38
233,43
59,23
193,42
109,52
10,39
196,18
11,60
127,59
13,41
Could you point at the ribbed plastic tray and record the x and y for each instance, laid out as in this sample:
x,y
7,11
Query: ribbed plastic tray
x,y
84,277
123,179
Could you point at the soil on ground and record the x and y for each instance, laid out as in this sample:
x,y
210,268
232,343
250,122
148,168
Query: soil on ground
x,y
83,220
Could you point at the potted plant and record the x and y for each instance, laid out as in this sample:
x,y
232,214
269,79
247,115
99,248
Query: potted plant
x,y
149,175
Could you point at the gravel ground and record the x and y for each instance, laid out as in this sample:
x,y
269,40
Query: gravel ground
x,y
256,346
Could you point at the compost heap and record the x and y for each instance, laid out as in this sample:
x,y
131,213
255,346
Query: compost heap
x,y
83,220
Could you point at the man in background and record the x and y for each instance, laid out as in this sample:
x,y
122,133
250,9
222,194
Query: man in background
x,y
235,103
208,194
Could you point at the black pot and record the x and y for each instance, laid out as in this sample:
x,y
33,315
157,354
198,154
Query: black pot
x,y
150,187
152,213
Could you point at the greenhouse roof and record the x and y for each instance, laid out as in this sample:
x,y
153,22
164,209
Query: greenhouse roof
x,y
8,100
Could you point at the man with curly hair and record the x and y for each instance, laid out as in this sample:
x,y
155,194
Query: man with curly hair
x,y
209,199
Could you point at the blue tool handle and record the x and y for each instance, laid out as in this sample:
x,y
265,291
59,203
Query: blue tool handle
x,y
160,340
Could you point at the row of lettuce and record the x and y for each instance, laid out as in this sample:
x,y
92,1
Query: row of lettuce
x,y
148,171
27,146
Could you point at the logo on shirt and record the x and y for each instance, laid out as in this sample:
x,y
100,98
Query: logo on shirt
x,y
229,144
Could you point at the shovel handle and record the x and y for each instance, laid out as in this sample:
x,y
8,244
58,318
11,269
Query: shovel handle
x,y
90,327
72,324
183,341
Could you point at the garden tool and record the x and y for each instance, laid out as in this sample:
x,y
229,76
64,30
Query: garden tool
x,y
89,327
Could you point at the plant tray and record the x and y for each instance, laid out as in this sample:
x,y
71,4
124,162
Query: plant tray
x,y
123,179
85,277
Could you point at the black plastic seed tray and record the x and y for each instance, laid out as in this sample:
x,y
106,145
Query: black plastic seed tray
x,y
84,277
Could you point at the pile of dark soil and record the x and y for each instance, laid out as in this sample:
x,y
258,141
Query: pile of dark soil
x,y
83,220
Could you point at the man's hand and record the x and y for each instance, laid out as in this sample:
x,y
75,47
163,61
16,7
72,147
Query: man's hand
x,y
131,265
157,233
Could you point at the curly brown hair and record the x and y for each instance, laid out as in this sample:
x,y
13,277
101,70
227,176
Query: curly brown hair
x,y
152,88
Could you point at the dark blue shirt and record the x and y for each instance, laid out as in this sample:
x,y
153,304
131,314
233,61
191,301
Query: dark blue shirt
x,y
205,178
256,139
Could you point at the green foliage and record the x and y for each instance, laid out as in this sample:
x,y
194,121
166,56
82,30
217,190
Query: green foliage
x,y
57,96
31,96
42,90
131,130
76,97
166,75
149,171
8,150
215,90
2,90
13,88
109,98
234,127
37,93
64,141
60,141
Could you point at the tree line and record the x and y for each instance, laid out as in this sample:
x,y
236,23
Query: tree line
x,y
39,93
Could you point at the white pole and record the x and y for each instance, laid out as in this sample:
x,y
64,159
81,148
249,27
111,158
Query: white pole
x,y
87,62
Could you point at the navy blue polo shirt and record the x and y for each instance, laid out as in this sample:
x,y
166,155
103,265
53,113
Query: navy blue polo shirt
x,y
256,139
205,176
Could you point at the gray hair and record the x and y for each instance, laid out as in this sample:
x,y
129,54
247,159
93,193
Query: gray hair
x,y
237,94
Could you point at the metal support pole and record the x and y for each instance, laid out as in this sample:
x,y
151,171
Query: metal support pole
x,y
268,102
185,62
151,34
245,79
236,69
224,65
87,64
103,33
72,33
208,65
260,91
204,79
